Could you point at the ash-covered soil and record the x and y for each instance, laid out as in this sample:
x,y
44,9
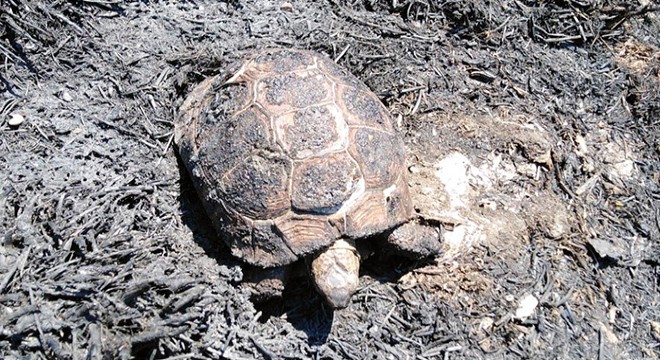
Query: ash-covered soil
x,y
532,131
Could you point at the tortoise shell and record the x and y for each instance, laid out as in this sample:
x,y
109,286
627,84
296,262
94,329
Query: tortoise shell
x,y
290,152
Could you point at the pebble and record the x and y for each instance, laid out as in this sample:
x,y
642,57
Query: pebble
x,y
66,96
16,119
486,324
606,249
655,329
526,307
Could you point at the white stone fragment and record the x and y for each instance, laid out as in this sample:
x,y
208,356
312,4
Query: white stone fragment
x,y
16,119
526,307
452,171
66,96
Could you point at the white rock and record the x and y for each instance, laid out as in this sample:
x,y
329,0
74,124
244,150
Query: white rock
x,y
526,307
581,146
624,169
612,249
66,96
527,169
619,162
16,119
486,324
452,171
655,329
610,336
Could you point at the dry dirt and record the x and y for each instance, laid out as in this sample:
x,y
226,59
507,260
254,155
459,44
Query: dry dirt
x,y
532,131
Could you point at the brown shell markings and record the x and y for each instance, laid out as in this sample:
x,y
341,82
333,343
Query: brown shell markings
x,y
290,152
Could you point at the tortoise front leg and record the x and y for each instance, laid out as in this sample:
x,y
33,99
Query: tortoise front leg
x,y
416,240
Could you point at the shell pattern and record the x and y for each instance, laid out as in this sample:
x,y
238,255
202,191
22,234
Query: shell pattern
x,y
290,152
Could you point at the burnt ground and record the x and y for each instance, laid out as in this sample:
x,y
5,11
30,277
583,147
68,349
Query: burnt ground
x,y
551,109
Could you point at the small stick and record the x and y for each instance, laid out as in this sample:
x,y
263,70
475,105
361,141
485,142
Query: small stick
x,y
342,53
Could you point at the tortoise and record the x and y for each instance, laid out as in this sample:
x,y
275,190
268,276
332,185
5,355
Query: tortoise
x,y
295,158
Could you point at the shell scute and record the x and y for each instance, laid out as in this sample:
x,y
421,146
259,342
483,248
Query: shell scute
x,y
312,131
322,185
258,187
379,154
292,91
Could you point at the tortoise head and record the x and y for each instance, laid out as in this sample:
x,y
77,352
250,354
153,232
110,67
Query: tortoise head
x,y
335,272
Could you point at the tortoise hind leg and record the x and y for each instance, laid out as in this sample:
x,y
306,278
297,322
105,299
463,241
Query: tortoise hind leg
x,y
416,240
265,284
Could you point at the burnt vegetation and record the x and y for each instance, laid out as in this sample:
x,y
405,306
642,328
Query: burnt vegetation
x,y
107,253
